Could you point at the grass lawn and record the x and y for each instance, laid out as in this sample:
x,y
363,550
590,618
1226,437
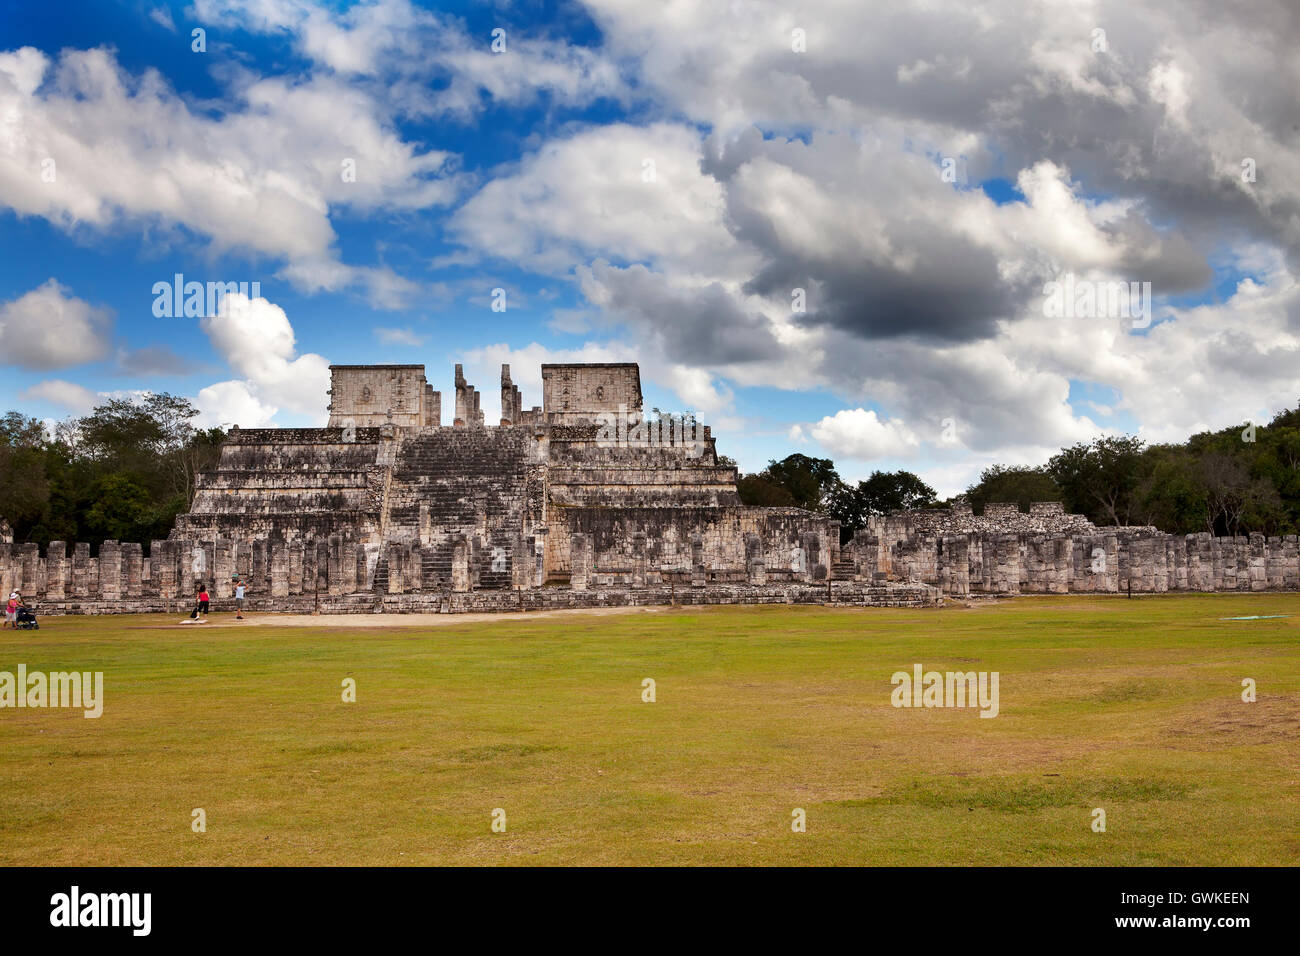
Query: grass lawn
x,y
1133,706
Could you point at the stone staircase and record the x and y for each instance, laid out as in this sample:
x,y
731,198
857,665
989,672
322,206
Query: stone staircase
x,y
843,569
454,482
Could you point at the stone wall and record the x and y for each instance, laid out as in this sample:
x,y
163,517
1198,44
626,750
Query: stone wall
x,y
1043,517
372,395
1109,562
338,574
578,393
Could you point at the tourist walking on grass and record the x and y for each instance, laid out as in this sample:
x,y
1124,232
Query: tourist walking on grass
x,y
11,609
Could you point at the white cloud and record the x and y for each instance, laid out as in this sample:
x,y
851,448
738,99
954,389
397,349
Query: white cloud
x,y
403,336
859,433
255,338
75,398
430,64
232,403
163,17
587,195
261,176
49,328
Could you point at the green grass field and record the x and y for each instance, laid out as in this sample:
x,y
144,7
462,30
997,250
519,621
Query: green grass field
x,y
1133,706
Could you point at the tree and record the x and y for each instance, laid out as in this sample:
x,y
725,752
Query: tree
x,y
1171,492
122,510
1018,483
810,481
758,491
880,494
1099,479
24,487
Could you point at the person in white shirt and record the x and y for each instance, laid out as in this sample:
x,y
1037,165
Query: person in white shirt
x,y
239,600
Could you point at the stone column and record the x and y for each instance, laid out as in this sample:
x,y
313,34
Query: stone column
x,y
244,561
865,546
699,577
110,571
812,552
1257,563
258,568
56,571
639,560
954,567
31,560
348,567
521,563
132,570
579,561
223,567
279,569
80,569
335,564
1290,562
459,565
163,566
539,558
396,568
296,557
755,565
1006,574
1276,564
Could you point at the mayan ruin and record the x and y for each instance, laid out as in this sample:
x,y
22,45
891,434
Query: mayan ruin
x,y
578,502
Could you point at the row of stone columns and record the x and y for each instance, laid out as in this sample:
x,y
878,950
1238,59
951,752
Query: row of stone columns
x,y
1108,563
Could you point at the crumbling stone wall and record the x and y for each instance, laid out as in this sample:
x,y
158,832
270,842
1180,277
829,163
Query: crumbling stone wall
x,y
1111,561
364,396
577,393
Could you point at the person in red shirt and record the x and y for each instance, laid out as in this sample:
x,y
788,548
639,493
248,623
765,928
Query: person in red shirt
x,y
201,611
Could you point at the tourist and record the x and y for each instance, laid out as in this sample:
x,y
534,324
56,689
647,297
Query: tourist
x,y
11,609
239,600
201,604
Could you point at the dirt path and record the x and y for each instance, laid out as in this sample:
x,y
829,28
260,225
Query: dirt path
x,y
401,620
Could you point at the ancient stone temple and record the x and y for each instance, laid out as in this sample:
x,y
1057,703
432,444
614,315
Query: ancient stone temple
x,y
580,501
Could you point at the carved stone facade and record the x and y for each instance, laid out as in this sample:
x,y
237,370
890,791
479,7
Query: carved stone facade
x,y
386,508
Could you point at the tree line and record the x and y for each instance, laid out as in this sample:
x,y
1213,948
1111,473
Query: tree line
x,y
1228,482
123,472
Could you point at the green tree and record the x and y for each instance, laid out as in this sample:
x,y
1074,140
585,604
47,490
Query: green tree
x,y
881,493
24,487
1099,479
810,481
1019,483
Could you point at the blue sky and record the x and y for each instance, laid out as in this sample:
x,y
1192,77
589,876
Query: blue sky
x,y
655,186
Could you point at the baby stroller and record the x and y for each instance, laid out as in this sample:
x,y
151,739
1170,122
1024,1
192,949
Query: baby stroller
x,y
25,619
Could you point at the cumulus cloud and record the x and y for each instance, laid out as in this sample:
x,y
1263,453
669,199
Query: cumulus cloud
x,y
260,177
257,341
67,395
232,403
860,434
49,328
428,62
819,182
